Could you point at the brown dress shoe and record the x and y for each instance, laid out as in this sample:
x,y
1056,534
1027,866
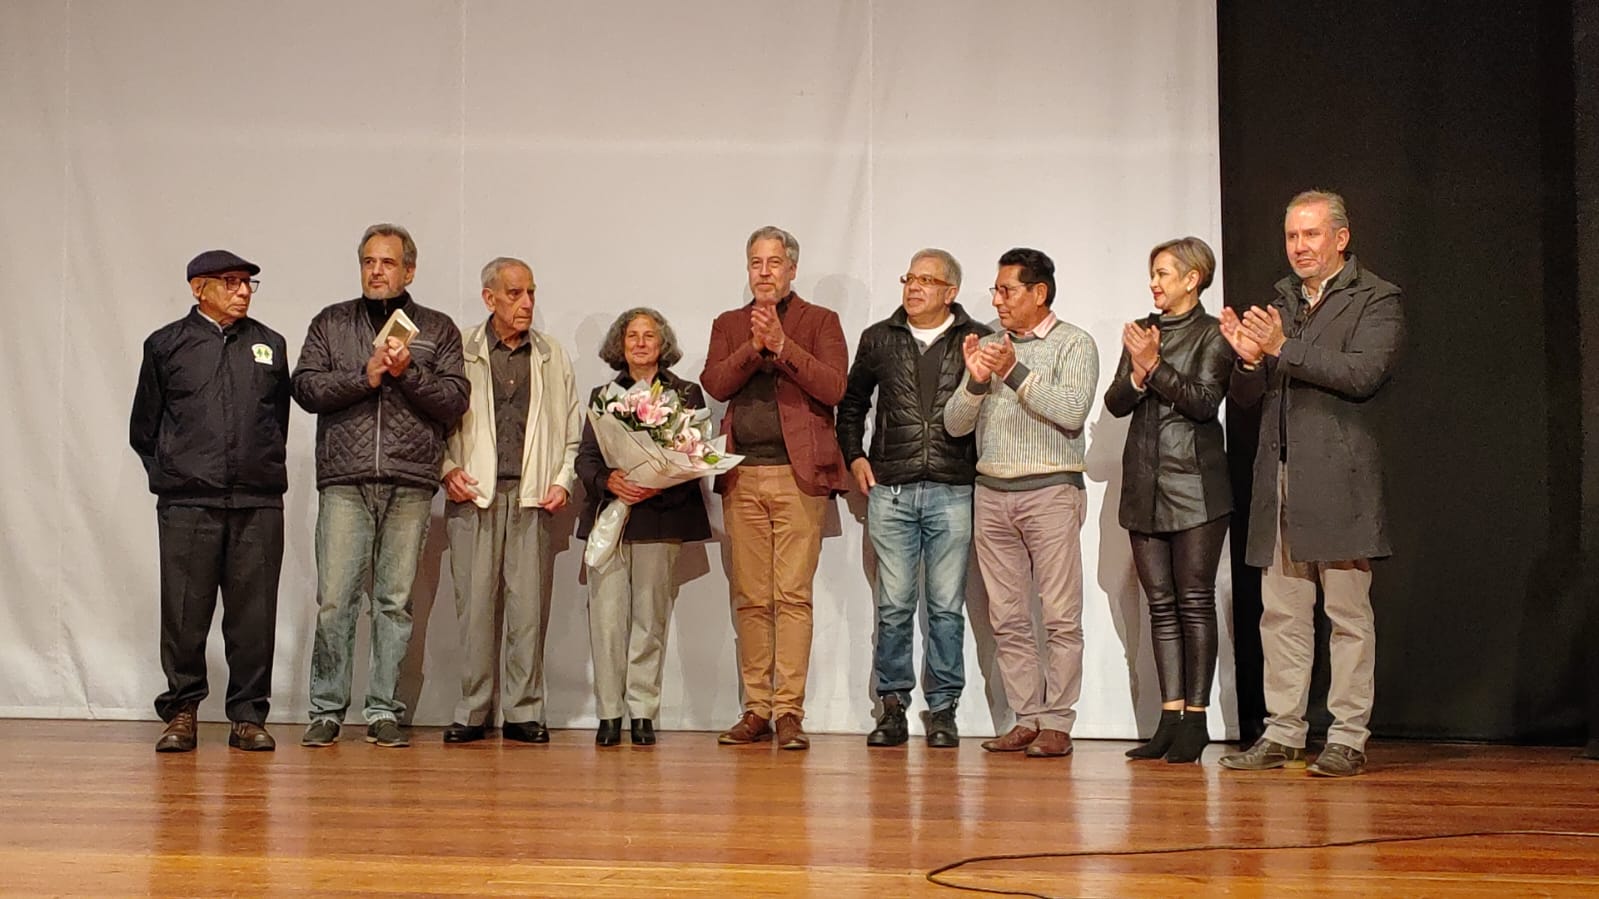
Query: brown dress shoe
x,y
1016,740
179,733
250,737
1050,744
790,735
751,728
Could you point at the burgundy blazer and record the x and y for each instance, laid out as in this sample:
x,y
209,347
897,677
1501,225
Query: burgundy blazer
x,y
811,374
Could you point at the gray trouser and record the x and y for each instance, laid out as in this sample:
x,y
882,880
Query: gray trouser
x,y
501,563
1288,641
630,605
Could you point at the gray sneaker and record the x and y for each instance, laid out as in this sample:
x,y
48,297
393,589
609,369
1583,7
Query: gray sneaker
x,y
1264,755
386,733
1338,760
322,732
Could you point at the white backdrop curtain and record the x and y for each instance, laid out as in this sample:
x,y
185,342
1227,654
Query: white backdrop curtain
x,y
625,149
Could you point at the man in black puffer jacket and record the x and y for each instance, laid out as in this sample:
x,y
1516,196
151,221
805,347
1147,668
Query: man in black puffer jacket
x,y
210,421
918,481
383,409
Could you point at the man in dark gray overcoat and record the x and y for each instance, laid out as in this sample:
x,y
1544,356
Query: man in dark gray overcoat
x,y
1317,356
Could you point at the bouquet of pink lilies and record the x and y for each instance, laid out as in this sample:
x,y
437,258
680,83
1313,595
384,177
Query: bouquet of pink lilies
x,y
646,433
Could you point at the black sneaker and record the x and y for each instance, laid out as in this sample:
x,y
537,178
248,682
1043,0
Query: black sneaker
x,y
941,730
1338,760
891,728
386,733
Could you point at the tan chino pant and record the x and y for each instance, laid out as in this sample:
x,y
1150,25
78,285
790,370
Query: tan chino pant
x,y
774,536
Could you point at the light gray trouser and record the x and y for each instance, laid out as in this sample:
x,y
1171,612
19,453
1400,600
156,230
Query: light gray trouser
x,y
500,561
630,607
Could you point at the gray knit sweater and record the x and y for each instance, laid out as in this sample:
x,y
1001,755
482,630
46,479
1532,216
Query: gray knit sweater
x,y
1032,422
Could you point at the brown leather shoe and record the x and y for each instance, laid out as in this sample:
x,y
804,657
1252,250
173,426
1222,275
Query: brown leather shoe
x,y
1050,744
790,735
751,728
1016,740
250,737
179,734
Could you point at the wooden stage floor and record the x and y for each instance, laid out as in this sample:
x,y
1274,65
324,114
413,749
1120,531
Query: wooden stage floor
x,y
88,808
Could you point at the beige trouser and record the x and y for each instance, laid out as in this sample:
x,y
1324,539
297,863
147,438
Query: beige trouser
x,y
630,606
500,561
774,534
1027,538
1288,640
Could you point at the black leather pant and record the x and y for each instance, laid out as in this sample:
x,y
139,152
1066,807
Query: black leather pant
x,y
1178,572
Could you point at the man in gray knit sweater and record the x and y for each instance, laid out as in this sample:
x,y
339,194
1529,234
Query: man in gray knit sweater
x,y
1028,390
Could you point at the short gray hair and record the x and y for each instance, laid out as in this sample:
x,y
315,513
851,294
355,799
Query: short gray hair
x,y
952,269
772,232
611,347
1337,215
389,229
491,271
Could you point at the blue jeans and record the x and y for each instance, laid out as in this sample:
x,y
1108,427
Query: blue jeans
x,y
366,531
921,528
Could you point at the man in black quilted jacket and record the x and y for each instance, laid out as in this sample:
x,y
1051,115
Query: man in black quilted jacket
x,y
383,406
918,480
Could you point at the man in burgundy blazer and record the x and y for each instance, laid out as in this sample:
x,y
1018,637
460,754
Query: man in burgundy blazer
x,y
780,364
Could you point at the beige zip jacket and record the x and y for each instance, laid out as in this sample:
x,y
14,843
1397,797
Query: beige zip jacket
x,y
554,421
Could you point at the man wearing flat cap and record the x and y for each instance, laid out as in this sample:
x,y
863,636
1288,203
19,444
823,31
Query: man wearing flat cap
x,y
210,422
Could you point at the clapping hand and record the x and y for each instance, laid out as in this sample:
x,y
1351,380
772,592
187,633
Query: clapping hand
x,y
1143,348
1237,336
976,361
766,329
1265,327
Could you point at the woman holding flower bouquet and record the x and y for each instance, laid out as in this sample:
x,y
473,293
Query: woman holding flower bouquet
x,y
632,590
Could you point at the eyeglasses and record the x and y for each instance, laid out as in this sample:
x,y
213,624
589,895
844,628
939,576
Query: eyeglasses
x,y
232,283
1006,291
924,280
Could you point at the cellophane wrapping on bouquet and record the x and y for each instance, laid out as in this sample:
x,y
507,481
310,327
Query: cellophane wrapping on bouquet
x,y
647,435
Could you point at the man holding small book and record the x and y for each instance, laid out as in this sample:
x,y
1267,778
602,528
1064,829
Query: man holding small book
x,y
383,374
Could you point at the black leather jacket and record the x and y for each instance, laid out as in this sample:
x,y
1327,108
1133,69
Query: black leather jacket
x,y
1174,464
909,442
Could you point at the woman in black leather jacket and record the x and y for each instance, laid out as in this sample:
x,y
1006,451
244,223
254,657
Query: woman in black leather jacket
x,y
1175,494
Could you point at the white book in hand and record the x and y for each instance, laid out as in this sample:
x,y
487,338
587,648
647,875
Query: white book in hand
x,y
398,326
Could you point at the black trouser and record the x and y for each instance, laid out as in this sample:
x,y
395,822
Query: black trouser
x,y
240,552
1178,572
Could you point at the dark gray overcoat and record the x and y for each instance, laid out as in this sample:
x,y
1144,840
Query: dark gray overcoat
x,y
1320,388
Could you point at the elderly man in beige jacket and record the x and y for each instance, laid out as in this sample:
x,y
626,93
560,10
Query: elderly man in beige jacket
x,y
508,466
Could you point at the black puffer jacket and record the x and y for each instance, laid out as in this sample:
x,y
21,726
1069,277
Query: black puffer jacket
x,y
909,442
211,413
392,432
1174,464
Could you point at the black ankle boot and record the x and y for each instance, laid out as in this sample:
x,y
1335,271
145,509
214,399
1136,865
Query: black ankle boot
x,y
1191,740
609,732
1171,721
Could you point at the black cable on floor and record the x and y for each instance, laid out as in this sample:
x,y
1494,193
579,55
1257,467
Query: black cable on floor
x,y
933,875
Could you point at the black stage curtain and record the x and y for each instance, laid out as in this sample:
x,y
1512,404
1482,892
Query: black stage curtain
x,y
1457,136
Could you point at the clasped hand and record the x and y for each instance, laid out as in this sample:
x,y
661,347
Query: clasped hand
x,y
390,357
766,329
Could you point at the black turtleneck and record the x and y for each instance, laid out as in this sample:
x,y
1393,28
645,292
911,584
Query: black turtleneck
x,y
380,310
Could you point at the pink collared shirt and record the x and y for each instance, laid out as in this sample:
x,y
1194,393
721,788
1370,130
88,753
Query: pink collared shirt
x,y
1041,329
